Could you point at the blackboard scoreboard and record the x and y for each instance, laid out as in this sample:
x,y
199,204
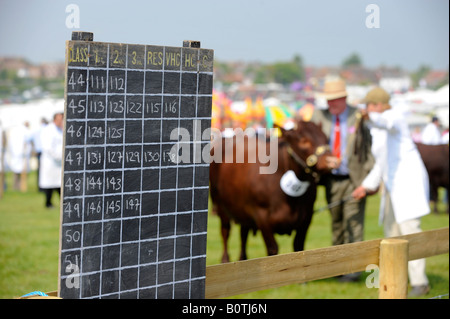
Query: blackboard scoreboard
x,y
133,216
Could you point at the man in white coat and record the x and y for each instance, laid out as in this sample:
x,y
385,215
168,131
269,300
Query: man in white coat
x,y
431,134
51,158
401,169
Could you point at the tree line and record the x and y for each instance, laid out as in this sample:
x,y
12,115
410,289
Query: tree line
x,y
287,72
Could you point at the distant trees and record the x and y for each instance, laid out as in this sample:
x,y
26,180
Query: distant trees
x,y
13,85
281,72
419,74
353,60
286,72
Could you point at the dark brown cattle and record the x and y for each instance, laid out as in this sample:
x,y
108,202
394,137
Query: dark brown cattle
x,y
436,160
255,201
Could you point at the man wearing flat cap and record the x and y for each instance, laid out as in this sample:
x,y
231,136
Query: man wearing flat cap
x,y
350,141
399,166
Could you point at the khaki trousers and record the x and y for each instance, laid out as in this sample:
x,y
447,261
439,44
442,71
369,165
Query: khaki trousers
x,y
347,219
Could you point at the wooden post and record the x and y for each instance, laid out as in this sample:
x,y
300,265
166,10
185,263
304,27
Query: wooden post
x,y
82,36
393,269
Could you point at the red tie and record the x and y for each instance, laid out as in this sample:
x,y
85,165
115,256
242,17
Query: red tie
x,y
337,138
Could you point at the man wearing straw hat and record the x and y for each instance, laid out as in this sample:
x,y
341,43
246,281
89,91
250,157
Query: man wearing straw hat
x,y
350,141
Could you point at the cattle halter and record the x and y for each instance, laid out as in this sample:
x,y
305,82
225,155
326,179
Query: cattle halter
x,y
311,160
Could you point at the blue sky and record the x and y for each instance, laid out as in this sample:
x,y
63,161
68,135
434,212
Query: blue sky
x,y
323,32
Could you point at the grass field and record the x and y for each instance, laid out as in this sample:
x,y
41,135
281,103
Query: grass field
x,y
29,239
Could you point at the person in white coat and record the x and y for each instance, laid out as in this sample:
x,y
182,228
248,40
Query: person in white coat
x,y
401,169
37,145
18,154
51,158
431,134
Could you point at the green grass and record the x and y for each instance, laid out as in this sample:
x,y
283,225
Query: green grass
x,y
29,240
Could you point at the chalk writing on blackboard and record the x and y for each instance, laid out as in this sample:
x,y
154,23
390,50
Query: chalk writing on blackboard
x,y
133,217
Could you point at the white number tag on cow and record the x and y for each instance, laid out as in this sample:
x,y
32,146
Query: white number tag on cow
x,y
292,186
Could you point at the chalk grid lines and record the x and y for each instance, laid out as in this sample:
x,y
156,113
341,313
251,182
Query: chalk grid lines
x,y
133,222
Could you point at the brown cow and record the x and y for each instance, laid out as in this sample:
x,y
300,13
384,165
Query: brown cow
x,y
436,160
255,201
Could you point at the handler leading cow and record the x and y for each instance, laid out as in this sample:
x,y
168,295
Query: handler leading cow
x,y
273,203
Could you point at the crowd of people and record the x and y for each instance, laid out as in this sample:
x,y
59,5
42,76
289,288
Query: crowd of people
x,y
19,144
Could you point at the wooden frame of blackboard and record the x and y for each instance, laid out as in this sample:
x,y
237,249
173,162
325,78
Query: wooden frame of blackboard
x,y
108,88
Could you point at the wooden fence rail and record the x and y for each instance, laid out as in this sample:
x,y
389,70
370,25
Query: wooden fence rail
x,y
240,277
225,280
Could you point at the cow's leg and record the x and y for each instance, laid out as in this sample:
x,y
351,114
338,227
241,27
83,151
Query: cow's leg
x,y
299,239
269,239
300,235
433,196
244,236
225,231
263,224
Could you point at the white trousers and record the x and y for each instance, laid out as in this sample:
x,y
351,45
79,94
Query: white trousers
x,y
416,268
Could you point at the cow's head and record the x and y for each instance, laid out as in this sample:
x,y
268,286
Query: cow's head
x,y
308,146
